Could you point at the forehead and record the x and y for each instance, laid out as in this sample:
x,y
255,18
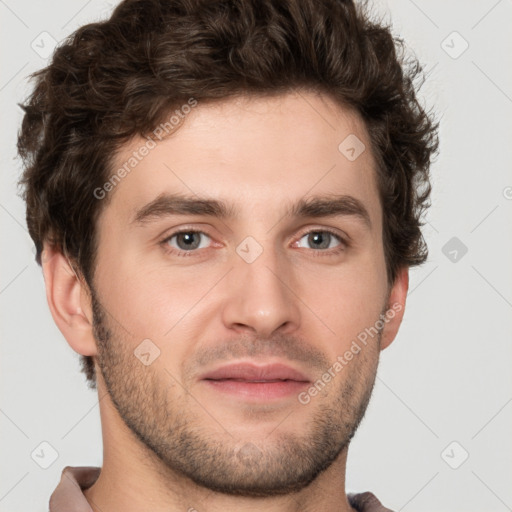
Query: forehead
x,y
257,154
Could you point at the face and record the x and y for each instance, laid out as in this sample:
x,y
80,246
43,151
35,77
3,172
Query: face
x,y
240,264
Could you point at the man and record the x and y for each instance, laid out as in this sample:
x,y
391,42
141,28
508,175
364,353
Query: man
x,y
225,198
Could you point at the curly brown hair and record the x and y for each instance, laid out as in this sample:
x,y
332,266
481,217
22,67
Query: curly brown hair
x,y
115,79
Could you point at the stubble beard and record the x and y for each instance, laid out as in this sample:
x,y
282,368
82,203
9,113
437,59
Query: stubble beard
x,y
160,417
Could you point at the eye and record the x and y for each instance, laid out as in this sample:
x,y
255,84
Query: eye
x,y
187,241
322,239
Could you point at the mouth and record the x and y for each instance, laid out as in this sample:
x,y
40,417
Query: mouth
x,y
256,382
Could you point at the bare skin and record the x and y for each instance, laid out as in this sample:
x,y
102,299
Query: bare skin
x,y
292,294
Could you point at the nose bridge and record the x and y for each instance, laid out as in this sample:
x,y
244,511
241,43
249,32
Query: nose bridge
x,y
259,298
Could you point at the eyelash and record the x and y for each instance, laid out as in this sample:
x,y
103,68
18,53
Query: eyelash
x,y
326,252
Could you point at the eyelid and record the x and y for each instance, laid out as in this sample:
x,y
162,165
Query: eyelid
x,y
184,229
342,237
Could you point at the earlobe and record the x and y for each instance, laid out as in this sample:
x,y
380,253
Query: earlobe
x,y
396,307
69,301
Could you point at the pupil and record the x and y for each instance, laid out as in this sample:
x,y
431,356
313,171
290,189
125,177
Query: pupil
x,y
187,240
320,240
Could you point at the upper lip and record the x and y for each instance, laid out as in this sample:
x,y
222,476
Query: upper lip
x,y
255,372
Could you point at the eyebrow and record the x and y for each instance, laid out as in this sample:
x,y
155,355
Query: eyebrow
x,y
166,205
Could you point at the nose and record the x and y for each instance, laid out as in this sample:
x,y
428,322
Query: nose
x,y
260,297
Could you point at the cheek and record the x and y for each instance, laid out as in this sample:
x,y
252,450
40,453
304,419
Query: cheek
x,y
158,302
347,299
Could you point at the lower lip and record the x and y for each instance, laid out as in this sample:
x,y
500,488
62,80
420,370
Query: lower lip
x,y
258,390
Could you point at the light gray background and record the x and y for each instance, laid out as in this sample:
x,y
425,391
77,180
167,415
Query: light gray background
x,y
447,377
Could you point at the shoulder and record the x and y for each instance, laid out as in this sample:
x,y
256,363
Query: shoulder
x,y
366,502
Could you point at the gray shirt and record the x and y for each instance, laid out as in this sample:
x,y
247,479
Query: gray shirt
x,y
68,496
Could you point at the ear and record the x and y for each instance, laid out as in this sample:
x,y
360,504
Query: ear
x,y
69,301
396,307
